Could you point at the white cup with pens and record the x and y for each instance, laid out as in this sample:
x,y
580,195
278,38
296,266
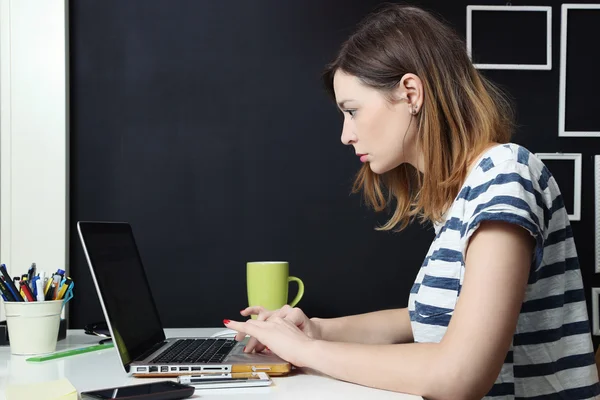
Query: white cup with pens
x,y
33,306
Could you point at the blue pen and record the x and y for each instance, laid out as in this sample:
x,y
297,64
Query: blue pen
x,y
4,290
69,294
34,286
31,273
9,283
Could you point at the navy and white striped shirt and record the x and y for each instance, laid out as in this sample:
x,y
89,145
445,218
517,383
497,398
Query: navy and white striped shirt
x,y
551,355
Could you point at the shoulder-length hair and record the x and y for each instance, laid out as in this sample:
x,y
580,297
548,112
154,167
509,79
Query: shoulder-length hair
x,y
461,115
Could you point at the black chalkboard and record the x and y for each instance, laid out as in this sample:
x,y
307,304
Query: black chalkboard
x,y
564,174
204,124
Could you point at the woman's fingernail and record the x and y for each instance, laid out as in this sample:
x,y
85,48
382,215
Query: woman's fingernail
x,y
244,349
226,321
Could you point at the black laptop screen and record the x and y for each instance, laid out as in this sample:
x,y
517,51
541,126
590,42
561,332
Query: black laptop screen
x,y
123,287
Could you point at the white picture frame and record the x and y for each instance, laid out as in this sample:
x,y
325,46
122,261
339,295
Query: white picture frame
x,y
546,9
597,210
595,322
562,85
576,158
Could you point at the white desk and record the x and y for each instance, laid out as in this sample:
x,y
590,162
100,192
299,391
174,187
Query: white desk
x,y
100,369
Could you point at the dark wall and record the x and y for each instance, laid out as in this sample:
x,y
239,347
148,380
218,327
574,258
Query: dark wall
x,y
205,125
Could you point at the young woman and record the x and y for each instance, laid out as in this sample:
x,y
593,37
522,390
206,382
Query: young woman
x,y
497,309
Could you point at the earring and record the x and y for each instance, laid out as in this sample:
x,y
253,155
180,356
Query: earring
x,y
413,110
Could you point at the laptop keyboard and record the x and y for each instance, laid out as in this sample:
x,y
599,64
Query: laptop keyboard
x,y
195,351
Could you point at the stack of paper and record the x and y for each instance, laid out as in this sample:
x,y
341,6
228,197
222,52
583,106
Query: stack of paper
x,y
53,390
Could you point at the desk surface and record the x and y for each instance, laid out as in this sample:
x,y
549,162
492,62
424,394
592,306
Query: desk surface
x,y
100,369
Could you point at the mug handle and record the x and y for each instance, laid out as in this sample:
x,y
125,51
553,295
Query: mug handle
x,y
300,290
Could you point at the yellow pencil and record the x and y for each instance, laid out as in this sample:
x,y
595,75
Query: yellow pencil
x,y
61,292
47,286
63,289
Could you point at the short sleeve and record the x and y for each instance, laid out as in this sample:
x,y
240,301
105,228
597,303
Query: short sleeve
x,y
510,193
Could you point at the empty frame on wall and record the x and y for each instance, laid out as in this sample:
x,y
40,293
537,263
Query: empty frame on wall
x,y
597,210
577,115
530,49
595,324
566,169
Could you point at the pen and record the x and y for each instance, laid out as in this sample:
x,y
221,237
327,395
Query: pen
x,y
43,280
25,278
47,286
31,273
26,291
63,288
5,292
39,290
52,291
57,287
9,283
22,283
34,285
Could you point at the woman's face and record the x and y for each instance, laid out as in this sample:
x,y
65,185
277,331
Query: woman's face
x,y
383,133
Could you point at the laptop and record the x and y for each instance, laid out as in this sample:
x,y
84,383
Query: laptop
x,y
134,323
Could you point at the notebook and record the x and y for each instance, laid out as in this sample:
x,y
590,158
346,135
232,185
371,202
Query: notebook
x,y
54,390
132,317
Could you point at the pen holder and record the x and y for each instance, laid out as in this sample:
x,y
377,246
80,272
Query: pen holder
x,y
33,326
5,340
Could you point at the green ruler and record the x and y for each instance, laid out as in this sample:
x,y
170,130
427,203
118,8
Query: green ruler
x,y
73,352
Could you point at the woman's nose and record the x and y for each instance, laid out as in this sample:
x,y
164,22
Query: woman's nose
x,y
348,136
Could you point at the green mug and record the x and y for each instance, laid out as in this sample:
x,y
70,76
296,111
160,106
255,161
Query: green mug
x,y
267,284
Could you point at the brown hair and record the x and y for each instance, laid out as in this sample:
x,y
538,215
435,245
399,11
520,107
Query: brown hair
x,y
462,112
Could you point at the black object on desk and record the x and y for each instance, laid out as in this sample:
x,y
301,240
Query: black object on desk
x,y
165,390
98,329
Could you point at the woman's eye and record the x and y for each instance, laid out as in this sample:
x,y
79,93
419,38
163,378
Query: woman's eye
x,y
351,113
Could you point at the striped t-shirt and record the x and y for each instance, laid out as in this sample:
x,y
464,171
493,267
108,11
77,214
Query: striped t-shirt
x,y
551,355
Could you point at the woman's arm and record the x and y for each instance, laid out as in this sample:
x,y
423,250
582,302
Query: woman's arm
x,y
465,364
379,327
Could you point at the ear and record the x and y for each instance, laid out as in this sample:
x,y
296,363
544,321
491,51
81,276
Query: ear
x,y
410,88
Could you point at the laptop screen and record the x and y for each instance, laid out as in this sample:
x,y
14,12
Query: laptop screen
x,y
122,287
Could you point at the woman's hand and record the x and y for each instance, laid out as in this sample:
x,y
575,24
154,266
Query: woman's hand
x,y
282,336
294,315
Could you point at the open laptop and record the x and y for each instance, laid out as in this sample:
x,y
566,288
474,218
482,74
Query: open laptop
x,y
133,321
